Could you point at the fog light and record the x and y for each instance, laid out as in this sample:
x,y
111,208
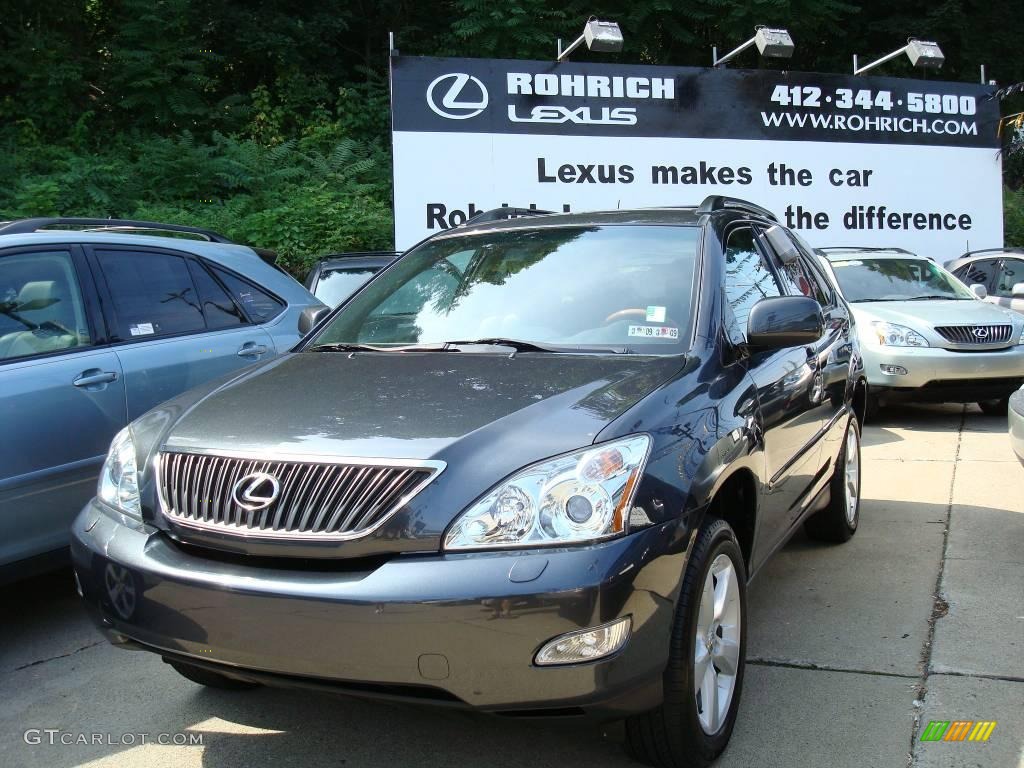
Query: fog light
x,y
893,370
587,644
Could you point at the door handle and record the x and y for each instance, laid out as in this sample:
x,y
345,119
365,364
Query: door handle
x,y
251,349
93,377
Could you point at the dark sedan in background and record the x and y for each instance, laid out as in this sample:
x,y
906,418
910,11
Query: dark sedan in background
x,y
336,277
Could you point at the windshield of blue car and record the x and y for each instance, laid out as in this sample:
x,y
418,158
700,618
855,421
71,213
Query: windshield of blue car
x,y
888,279
593,288
337,284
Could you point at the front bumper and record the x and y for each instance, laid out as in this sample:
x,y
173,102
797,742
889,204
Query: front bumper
x,y
933,373
1016,416
450,628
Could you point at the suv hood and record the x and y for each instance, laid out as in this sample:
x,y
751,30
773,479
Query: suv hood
x,y
935,312
416,405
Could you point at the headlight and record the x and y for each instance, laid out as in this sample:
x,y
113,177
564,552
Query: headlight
x,y
892,335
119,480
581,496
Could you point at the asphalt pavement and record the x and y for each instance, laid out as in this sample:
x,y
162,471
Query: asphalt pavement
x,y
853,650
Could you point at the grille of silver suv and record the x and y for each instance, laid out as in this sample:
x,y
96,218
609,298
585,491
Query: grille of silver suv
x,y
975,334
293,499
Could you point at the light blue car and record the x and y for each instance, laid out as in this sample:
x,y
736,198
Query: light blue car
x,y
97,326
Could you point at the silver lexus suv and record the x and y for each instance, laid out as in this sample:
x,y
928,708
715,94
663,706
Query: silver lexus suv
x,y
924,335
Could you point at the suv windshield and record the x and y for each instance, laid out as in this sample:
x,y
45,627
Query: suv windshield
x,y
865,279
569,287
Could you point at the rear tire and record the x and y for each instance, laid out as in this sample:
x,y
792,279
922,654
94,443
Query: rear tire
x,y
872,407
210,678
837,522
693,724
995,407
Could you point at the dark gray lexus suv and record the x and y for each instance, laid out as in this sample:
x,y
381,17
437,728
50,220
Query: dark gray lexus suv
x,y
529,468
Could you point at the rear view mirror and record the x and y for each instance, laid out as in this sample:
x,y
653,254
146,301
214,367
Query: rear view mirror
x,y
1018,291
782,244
311,316
784,321
979,290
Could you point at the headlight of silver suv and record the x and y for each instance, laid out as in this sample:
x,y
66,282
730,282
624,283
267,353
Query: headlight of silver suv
x,y
119,478
892,335
581,496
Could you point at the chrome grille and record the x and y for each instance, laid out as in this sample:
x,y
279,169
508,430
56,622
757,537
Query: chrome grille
x,y
312,499
975,334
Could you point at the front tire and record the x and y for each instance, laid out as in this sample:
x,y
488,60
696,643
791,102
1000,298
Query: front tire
x,y
837,522
707,650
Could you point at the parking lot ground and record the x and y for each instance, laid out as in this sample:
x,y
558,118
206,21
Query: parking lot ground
x,y
852,649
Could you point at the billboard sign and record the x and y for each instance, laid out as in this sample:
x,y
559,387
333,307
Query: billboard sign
x,y
844,160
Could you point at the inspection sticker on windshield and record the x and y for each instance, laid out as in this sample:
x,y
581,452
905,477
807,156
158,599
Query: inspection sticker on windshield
x,y
142,329
654,331
655,314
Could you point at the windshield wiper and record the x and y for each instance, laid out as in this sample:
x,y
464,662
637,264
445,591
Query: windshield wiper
x,y
352,347
529,346
933,296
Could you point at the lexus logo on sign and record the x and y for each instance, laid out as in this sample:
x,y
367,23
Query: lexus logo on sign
x,y
981,333
256,491
457,96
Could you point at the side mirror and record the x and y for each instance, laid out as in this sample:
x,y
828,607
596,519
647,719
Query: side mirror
x,y
1018,291
784,321
979,290
782,244
310,317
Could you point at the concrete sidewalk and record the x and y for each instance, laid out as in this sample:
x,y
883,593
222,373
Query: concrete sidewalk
x,y
852,649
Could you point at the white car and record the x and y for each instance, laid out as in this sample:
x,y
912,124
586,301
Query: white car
x,y
924,335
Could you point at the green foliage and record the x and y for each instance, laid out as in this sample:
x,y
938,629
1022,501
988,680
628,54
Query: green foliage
x,y
269,119
1013,216
302,197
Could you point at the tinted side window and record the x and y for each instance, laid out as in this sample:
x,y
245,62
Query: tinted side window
x,y
1011,274
978,272
41,309
821,289
747,280
258,304
800,281
219,309
153,293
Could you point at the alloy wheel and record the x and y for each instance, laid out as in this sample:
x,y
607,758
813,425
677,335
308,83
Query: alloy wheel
x,y
717,646
852,474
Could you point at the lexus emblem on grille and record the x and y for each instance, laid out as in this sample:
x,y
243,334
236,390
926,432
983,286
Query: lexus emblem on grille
x,y
256,490
981,333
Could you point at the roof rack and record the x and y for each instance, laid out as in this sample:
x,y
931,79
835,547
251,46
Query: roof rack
x,y
869,248
504,212
721,202
1004,249
25,226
